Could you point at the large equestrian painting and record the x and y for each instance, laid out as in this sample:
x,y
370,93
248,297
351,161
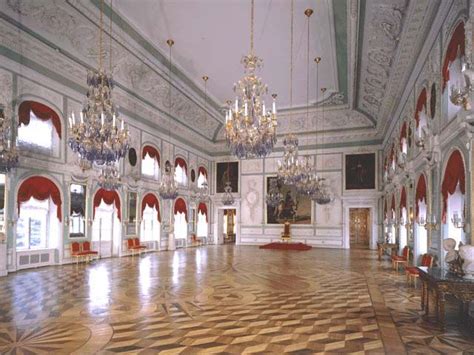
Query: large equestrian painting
x,y
293,207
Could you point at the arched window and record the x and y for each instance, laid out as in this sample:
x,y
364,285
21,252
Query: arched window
x,y
403,217
151,218
421,237
39,128
39,210
181,171
180,219
452,67
202,220
150,162
106,226
202,176
404,139
392,158
392,218
453,190
421,115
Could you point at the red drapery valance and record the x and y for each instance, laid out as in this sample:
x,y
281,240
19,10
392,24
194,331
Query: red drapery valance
x,y
202,170
41,111
41,189
108,197
181,163
180,206
456,45
420,104
152,152
203,209
420,193
403,133
151,201
454,174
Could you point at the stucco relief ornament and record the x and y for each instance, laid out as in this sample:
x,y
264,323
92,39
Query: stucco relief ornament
x,y
252,199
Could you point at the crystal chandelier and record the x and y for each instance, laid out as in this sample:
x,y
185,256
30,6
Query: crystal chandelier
x,y
250,129
274,196
322,195
228,199
109,178
8,153
168,188
99,136
289,169
201,193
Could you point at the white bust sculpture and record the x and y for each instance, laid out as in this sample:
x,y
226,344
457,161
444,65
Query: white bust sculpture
x,y
466,252
449,245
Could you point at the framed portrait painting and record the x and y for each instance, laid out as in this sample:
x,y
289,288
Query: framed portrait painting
x,y
227,171
360,171
293,207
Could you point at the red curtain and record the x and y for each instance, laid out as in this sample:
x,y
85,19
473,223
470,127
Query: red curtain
x,y
403,133
152,152
41,111
181,163
109,197
151,201
41,189
203,209
180,206
202,170
420,104
456,44
454,174
420,192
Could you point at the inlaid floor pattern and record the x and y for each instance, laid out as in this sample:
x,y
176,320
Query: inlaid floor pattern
x,y
221,299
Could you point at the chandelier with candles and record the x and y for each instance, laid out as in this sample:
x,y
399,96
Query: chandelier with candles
x,y
250,128
98,135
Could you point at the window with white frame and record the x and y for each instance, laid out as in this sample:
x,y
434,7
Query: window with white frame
x,y
180,175
456,80
38,135
455,207
77,218
180,226
201,179
150,167
150,226
37,226
421,242
403,230
103,225
201,224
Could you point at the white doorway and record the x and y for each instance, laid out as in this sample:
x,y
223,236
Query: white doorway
x,y
106,231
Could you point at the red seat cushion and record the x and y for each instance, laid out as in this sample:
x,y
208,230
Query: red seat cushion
x,y
91,252
413,270
398,258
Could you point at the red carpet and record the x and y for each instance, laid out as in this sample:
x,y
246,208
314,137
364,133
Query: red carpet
x,y
286,246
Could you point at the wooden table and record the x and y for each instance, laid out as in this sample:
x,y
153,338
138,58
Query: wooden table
x,y
442,282
381,247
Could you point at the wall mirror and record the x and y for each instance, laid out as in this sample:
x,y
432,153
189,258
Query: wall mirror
x,y
132,207
77,212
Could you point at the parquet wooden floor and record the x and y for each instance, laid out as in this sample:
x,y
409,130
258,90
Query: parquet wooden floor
x,y
221,299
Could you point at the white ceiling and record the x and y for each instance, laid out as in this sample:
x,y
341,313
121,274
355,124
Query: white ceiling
x,y
211,36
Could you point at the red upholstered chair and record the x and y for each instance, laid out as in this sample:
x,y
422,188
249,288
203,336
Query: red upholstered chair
x,y
132,246
136,243
76,251
401,259
413,272
87,252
